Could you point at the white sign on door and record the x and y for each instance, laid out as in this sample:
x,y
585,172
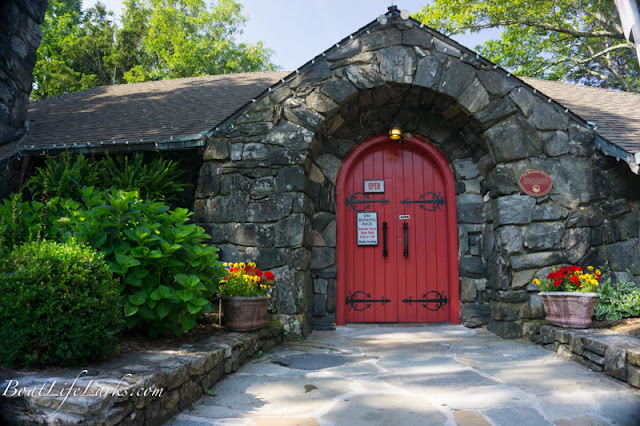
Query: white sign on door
x,y
367,228
373,186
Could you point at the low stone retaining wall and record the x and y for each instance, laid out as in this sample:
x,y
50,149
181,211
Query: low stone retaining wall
x,y
616,354
145,388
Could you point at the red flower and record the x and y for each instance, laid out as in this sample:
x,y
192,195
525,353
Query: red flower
x,y
269,276
258,272
574,279
557,283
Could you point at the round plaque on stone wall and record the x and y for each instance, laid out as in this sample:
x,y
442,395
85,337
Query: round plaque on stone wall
x,y
535,183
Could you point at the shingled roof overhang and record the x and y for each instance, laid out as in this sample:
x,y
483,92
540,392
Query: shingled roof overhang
x,y
165,114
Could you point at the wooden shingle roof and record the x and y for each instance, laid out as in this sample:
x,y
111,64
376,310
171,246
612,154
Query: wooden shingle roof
x,y
156,111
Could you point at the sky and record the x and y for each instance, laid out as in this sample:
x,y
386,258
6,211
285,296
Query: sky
x,y
298,30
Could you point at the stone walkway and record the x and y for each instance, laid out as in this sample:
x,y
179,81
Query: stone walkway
x,y
414,375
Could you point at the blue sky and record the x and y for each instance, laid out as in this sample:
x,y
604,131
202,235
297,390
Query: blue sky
x,y
298,30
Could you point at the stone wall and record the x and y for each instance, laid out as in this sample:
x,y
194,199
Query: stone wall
x,y
20,36
267,190
616,355
146,388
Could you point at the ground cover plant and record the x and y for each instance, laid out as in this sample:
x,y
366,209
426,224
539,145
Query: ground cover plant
x,y
59,305
618,299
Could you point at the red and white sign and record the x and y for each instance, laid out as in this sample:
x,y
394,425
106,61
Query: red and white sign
x,y
367,228
535,183
373,186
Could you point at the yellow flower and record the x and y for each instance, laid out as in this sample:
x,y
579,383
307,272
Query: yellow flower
x,y
594,282
252,264
598,272
536,282
242,265
590,268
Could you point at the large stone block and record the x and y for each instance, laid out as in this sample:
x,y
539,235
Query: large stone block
x,y
474,98
263,186
417,37
339,90
495,83
209,181
221,209
590,216
267,258
495,112
545,117
290,135
536,260
291,179
575,244
249,234
330,166
615,362
469,208
513,139
216,149
472,267
290,231
524,99
273,208
549,211
323,257
556,143
509,239
501,181
300,259
456,77
298,113
397,64
513,209
428,72
543,236
466,168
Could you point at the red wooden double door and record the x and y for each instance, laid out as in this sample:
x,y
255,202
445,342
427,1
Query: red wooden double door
x,y
397,235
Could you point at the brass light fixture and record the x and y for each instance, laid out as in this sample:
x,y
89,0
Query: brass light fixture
x,y
395,132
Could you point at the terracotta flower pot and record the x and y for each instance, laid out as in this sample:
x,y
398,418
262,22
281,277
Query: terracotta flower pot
x,y
569,309
245,313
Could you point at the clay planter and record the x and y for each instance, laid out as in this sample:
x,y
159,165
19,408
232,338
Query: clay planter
x,y
569,309
244,313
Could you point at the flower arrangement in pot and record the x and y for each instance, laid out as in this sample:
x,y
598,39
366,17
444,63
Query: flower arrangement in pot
x,y
569,295
245,291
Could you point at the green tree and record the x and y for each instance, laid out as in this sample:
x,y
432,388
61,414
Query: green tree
x,y
571,40
184,38
76,51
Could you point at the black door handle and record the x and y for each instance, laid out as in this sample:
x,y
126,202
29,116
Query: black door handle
x,y
385,253
406,239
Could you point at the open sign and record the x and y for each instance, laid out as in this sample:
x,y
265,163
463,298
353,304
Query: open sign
x,y
373,186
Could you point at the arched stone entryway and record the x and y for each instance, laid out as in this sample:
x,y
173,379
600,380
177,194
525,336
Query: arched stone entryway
x,y
267,191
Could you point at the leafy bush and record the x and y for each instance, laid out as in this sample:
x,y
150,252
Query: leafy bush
x,y
59,305
168,273
21,221
157,179
617,300
66,175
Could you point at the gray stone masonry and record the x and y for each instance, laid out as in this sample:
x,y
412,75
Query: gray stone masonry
x,y
268,186
113,393
600,350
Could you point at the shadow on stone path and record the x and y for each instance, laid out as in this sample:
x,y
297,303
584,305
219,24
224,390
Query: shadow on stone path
x,y
414,375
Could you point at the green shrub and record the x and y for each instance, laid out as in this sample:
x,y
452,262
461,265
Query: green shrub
x,y
168,272
65,175
617,300
59,305
22,221
155,179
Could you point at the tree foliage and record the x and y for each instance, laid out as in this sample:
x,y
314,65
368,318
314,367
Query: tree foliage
x,y
571,40
156,39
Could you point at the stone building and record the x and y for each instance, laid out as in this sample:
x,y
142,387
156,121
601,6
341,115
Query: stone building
x,y
297,172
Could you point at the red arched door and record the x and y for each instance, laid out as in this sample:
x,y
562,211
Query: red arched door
x,y
397,235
